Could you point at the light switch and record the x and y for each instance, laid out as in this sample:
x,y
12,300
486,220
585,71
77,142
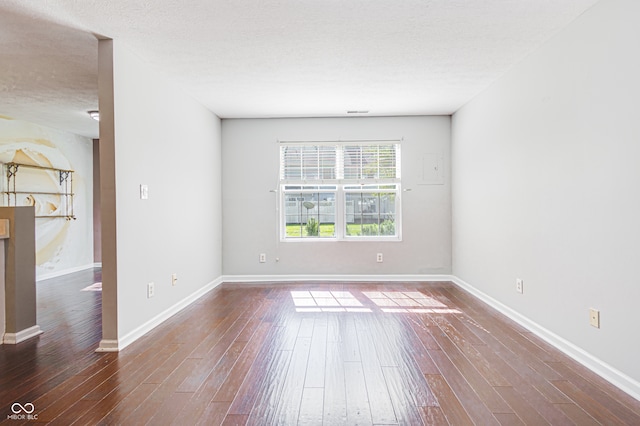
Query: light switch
x,y
144,192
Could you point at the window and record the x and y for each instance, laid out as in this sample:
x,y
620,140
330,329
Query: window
x,y
309,211
340,191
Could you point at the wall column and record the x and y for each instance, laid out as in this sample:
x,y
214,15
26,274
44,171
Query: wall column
x,y
19,256
109,342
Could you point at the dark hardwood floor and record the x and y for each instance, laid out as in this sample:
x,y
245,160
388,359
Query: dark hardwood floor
x,y
308,354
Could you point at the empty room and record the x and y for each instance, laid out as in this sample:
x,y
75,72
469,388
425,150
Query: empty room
x,y
319,213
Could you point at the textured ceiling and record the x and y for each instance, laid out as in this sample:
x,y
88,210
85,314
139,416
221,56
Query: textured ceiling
x,y
272,58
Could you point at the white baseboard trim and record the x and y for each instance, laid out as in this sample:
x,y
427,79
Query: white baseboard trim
x,y
107,345
21,336
132,336
62,272
252,279
601,368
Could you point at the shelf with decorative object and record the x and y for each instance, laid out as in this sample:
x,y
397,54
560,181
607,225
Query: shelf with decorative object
x,y
49,204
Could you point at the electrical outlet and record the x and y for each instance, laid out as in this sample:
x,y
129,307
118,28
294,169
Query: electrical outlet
x,y
594,317
150,290
263,257
519,285
174,279
379,258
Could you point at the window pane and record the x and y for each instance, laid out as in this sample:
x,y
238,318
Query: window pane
x,y
308,162
387,206
352,162
387,162
290,167
376,161
370,214
310,215
327,162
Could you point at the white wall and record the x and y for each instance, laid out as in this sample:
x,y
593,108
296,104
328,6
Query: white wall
x,y
168,141
250,170
61,246
545,186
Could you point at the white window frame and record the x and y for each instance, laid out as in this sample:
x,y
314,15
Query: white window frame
x,y
342,188
368,190
306,189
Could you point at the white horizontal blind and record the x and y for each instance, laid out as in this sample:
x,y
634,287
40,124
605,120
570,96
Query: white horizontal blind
x,y
367,161
370,162
308,162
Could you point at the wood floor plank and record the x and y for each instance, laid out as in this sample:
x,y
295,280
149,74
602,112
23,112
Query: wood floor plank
x,y
287,408
466,394
203,396
508,331
120,413
408,353
67,417
314,376
335,398
252,392
358,409
63,402
229,388
451,407
215,413
417,350
594,408
350,339
311,407
226,330
234,420
112,391
405,406
164,393
433,416
420,325
243,354
508,419
522,409
620,406
458,333
516,366
196,377
166,412
528,386
491,399
382,411
577,414
385,343
268,394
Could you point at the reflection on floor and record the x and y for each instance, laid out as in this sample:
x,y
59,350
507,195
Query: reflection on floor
x,y
93,287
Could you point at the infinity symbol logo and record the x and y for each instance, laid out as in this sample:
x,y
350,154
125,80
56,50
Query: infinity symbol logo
x,y
27,408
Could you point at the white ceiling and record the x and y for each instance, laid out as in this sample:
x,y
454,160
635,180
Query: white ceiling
x,y
272,58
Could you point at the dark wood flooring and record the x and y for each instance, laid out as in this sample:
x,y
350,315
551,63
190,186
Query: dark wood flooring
x,y
308,354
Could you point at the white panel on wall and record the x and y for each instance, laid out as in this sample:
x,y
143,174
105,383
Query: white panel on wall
x,y
432,170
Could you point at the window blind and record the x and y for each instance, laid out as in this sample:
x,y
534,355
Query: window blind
x,y
341,161
308,162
